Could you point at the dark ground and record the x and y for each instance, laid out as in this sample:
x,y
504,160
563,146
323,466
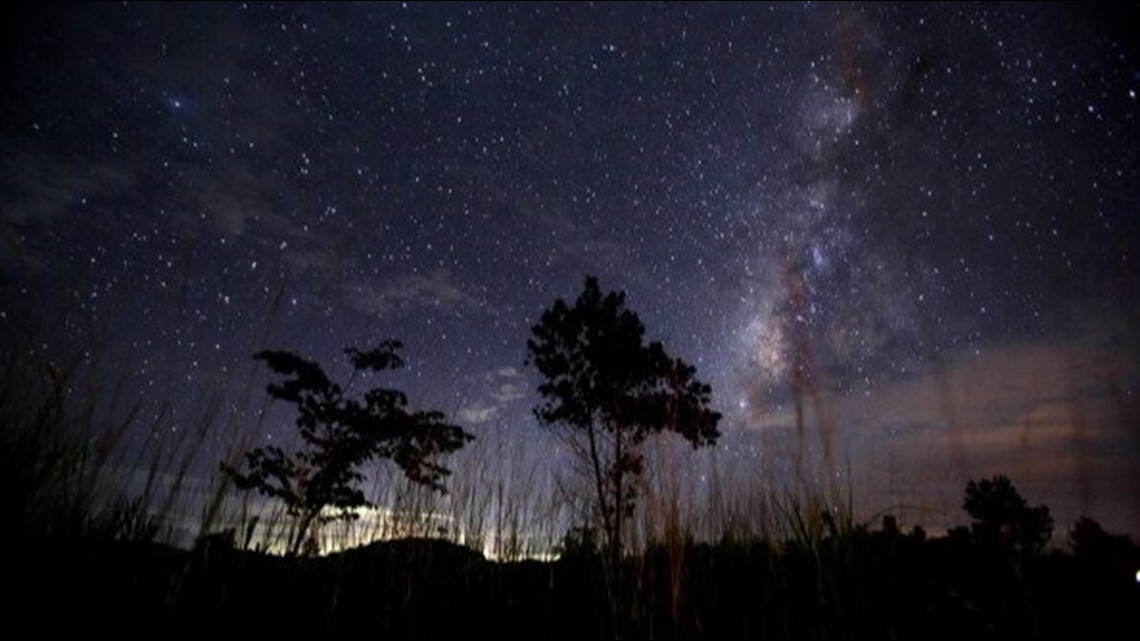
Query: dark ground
x,y
869,585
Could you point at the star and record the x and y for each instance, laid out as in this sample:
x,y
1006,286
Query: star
x,y
911,226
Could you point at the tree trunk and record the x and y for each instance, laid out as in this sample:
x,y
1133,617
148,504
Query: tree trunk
x,y
617,591
599,480
619,499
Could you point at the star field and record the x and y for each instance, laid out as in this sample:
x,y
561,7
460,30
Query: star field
x,y
918,220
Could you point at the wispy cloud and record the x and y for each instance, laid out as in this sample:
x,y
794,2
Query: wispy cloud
x,y
38,189
507,385
1048,412
409,292
477,413
499,390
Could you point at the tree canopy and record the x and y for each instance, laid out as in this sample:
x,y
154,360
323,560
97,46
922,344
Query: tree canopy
x,y
603,382
339,435
1003,517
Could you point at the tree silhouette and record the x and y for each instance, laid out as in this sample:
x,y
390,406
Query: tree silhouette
x,y
602,382
339,435
1091,541
1003,518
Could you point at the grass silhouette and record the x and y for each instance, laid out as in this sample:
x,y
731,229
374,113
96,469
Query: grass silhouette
x,y
126,536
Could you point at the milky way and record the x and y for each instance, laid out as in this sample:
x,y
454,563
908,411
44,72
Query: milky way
x,y
872,210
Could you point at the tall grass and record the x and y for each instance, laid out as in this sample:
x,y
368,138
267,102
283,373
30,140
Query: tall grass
x,y
58,448
74,465
74,469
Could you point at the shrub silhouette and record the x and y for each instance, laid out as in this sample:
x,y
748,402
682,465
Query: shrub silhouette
x,y
1003,518
602,382
339,435
1091,541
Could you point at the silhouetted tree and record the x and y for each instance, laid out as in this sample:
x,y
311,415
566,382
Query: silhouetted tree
x,y
1090,540
339,435
1003,518
891,526
604,383
578,542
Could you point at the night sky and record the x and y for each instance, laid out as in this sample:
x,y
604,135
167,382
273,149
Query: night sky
x,y
917,222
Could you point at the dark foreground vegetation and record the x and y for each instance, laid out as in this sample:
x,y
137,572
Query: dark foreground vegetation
x,y
881,584
81,515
